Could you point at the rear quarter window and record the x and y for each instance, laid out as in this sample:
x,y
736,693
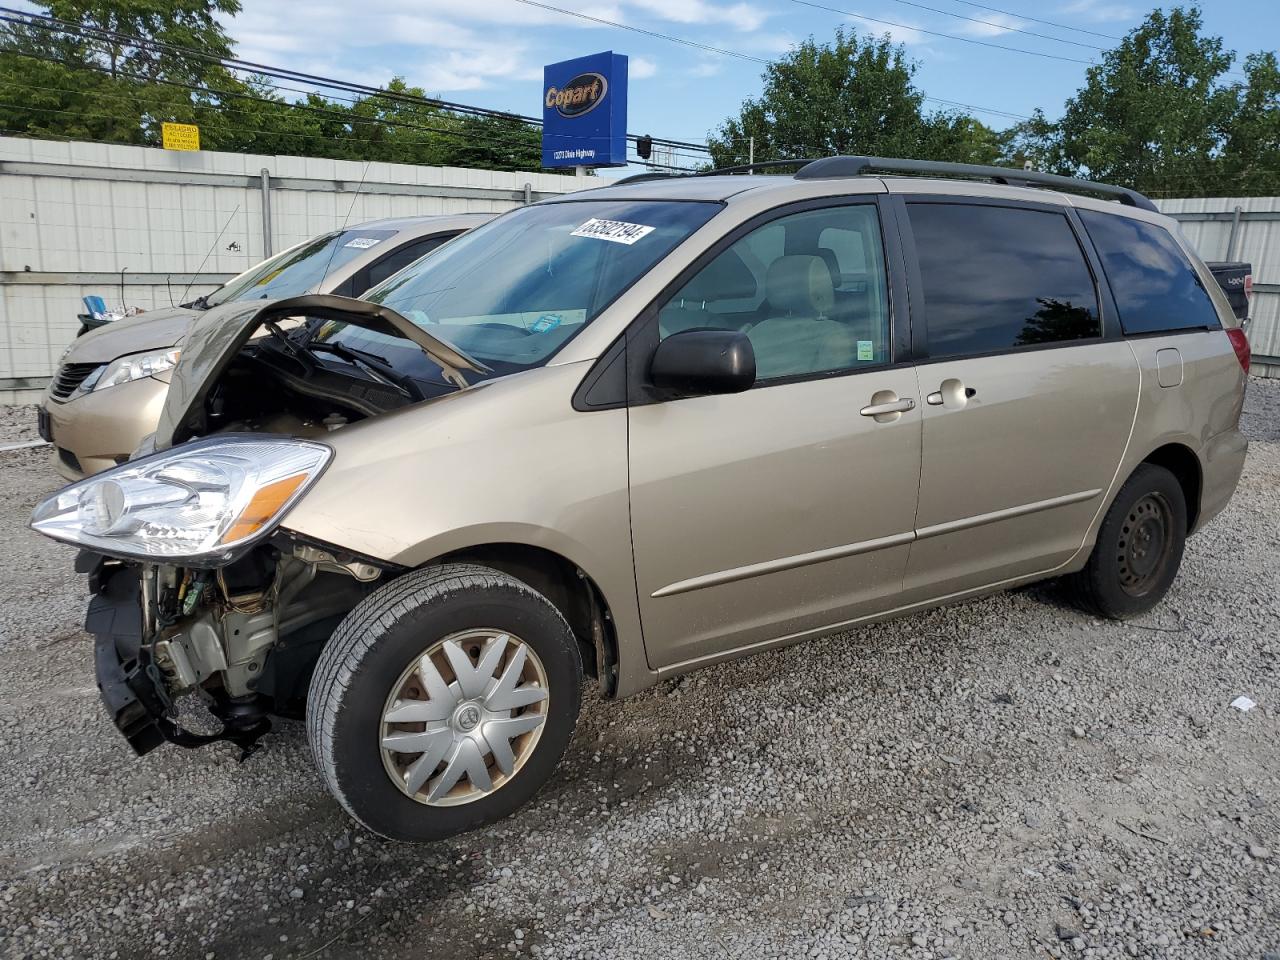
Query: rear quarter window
x,y
1154,284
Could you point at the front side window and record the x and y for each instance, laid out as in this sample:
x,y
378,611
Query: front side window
x,y
999,278
513,291
299,269
1154,284
808,289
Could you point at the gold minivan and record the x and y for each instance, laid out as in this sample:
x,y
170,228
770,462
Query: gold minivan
x,y
644,428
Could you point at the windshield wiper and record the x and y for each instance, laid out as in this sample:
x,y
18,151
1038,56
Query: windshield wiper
x,y
376,366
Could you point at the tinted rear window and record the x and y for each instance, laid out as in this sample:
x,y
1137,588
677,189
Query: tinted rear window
x,y
1154,284
998,278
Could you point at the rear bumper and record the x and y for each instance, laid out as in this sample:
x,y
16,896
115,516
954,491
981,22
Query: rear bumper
x,y
1222,460
94,432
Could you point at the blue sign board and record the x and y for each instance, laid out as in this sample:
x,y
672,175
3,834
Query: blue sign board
x,y
584,112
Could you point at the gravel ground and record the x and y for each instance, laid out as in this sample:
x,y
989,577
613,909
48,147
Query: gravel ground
x,y
17,425
1004,778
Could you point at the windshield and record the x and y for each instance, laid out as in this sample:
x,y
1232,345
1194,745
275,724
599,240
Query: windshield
x,y
513,291
299,269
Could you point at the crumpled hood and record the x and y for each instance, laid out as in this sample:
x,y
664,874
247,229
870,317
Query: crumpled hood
x,y
153,330
216,337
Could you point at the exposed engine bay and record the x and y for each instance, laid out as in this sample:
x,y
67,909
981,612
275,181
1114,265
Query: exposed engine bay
x,y
288,369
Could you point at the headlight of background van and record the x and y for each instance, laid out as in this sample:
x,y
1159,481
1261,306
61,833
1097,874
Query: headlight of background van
x,y
198,504
133,367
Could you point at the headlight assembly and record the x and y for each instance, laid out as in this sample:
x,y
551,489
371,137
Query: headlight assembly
x,y
197,504
133,367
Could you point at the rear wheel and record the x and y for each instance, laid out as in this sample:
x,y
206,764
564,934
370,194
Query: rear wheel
x,y
1139,547
444,701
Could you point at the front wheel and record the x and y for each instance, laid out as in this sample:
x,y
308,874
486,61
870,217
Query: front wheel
x,y
1139,547
443,701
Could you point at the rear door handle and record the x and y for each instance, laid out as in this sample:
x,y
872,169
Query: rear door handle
x,y
953,393
888,407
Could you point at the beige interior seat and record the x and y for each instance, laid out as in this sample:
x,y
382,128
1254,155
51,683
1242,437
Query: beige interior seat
x,y
798,336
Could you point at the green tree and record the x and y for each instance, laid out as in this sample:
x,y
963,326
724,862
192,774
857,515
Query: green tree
x,y
66,83
1154,113
856,95
1251,155
1033,141
76,82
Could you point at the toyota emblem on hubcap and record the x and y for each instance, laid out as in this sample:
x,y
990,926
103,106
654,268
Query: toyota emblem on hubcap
x,y
468,717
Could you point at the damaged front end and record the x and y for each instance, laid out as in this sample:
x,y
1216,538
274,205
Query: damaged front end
x,y
243,638
196,590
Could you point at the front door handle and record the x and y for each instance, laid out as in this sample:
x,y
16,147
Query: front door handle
x,y
894,406
886,406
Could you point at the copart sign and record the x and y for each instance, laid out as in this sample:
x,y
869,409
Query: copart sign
x,y
584,112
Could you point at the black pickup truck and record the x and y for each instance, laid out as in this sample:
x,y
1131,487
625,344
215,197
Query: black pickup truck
x,y
1236,280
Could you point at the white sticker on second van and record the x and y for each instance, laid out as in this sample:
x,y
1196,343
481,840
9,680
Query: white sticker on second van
x,y
615,231
363,243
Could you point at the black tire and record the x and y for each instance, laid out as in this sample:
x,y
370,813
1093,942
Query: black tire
x,y
372,648
1139,547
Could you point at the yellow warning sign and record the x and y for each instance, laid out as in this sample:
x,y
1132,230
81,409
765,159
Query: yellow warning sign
x,y
181,136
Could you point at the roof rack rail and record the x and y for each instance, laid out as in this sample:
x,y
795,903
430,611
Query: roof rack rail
x,y
748,167
837,167
642,177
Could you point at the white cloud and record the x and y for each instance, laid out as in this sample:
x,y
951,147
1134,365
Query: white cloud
x,y
1099,10
445,46
995,25
906,34
768,44
740,16
641,68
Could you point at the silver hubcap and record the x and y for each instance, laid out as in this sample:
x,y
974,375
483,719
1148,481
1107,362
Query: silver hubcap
x,y
464,717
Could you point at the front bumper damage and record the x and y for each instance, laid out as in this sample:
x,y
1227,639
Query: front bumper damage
x,y
134,703
244,657
129,680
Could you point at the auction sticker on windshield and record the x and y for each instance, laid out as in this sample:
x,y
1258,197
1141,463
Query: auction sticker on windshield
x,y
363,243
615,231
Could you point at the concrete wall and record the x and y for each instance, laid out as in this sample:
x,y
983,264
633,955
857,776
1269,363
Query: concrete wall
x,y
72,215
1219,233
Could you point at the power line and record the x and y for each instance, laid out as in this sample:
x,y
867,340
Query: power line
x,y
1047,23
647,33
998,26
341,118
937,33
970,106
53,24
344,119
735,53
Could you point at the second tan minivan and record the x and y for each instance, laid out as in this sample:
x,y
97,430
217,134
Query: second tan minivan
x,y
110,385
640,429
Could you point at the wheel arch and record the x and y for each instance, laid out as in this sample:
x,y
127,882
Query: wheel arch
x,y
1180,460
568,586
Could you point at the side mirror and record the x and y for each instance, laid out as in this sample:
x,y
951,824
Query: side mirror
x,y
703,362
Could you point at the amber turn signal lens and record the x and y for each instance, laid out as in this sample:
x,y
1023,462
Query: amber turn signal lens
x,y
266,503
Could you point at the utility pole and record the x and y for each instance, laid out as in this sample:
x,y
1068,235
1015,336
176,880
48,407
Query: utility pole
x,y
751,153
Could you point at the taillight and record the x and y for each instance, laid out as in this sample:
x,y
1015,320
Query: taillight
x,y
1240,344
1248,286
